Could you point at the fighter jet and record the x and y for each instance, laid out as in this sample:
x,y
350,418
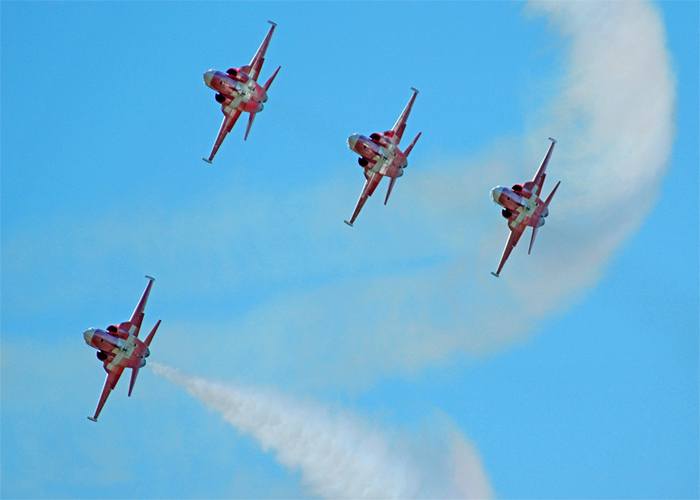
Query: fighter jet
x,y
238,91
523,207
380,156
119,347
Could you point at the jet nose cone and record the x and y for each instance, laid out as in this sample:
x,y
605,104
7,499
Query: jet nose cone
x,y
208,75
87,334
496,193
352,140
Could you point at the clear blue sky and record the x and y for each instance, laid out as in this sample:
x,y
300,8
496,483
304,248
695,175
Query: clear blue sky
x,y
590,392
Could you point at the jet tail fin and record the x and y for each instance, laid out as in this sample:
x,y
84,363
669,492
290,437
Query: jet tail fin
x,y
134,374
135,371
269,82
549,198
410,146
149,339
532,240
546,205
250,124
391,186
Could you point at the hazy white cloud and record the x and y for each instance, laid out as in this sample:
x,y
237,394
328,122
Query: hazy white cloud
x,y
339,454
409,286
614,120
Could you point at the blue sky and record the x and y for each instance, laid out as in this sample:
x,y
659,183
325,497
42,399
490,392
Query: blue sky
x,y
575,375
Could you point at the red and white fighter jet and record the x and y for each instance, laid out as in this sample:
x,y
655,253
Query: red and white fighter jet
x,y
119,347
523,207
238,91
380,156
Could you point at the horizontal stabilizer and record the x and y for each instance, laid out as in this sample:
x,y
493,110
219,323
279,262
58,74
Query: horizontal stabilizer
x,y
208,161
348,223
496,275
93,419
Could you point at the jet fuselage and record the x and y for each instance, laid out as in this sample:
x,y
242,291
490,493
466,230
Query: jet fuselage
x,y
525,206
244,93
382,155
122,349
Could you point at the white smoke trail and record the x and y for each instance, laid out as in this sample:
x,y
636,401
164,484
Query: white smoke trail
x,y
614,119
339,454
613,115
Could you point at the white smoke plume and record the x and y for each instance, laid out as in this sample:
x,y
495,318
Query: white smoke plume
x,y
614,120
612,113
420,293
339,454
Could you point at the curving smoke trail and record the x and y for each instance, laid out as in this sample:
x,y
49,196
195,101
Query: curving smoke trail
x,y
340,455
614,119
613,116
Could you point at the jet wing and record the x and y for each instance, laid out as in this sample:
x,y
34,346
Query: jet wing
x,y
226,126
134,324
397,130
515,234
112,379
253,69
371,184
535,186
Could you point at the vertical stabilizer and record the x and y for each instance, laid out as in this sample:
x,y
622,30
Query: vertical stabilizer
x,y
250,124
532,240
410,146
134,374
551,195
269,81
149,339
388,191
